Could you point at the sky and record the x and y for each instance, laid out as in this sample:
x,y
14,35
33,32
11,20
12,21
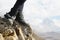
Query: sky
x,y
42,15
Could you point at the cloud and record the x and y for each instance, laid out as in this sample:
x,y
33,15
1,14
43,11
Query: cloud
x,y
40,14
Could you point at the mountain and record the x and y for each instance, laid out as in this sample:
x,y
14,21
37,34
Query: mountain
x,y
51,35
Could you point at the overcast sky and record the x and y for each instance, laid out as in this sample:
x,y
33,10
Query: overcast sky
x,y
42,15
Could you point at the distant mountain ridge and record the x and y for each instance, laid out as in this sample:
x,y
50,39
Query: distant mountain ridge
x,y
50,35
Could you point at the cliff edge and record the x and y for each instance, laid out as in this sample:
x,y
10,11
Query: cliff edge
x,y
16,31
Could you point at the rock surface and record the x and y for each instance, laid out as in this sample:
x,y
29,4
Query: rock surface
x,y
16,31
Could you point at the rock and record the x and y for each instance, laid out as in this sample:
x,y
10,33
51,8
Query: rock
x,y
15,31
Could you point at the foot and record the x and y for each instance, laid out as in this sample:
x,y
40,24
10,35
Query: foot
x,y
8,17
22,22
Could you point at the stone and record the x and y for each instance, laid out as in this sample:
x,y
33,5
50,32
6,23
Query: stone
x,y
15,31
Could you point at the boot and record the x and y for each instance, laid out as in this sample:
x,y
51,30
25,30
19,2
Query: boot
x,y
20,19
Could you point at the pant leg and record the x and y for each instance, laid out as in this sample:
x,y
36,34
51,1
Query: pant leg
x,y
19,13
20,17
13,12
18,5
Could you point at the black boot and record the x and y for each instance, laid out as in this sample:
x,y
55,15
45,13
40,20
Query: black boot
x,y
7,16
20,19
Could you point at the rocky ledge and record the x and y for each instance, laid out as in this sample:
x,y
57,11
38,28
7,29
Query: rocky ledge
x,y
16,31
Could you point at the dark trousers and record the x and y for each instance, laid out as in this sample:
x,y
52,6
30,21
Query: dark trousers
x,y
18,7
17,11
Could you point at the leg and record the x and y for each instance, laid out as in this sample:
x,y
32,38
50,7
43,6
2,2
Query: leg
x,y
19,16
17,11
13,11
